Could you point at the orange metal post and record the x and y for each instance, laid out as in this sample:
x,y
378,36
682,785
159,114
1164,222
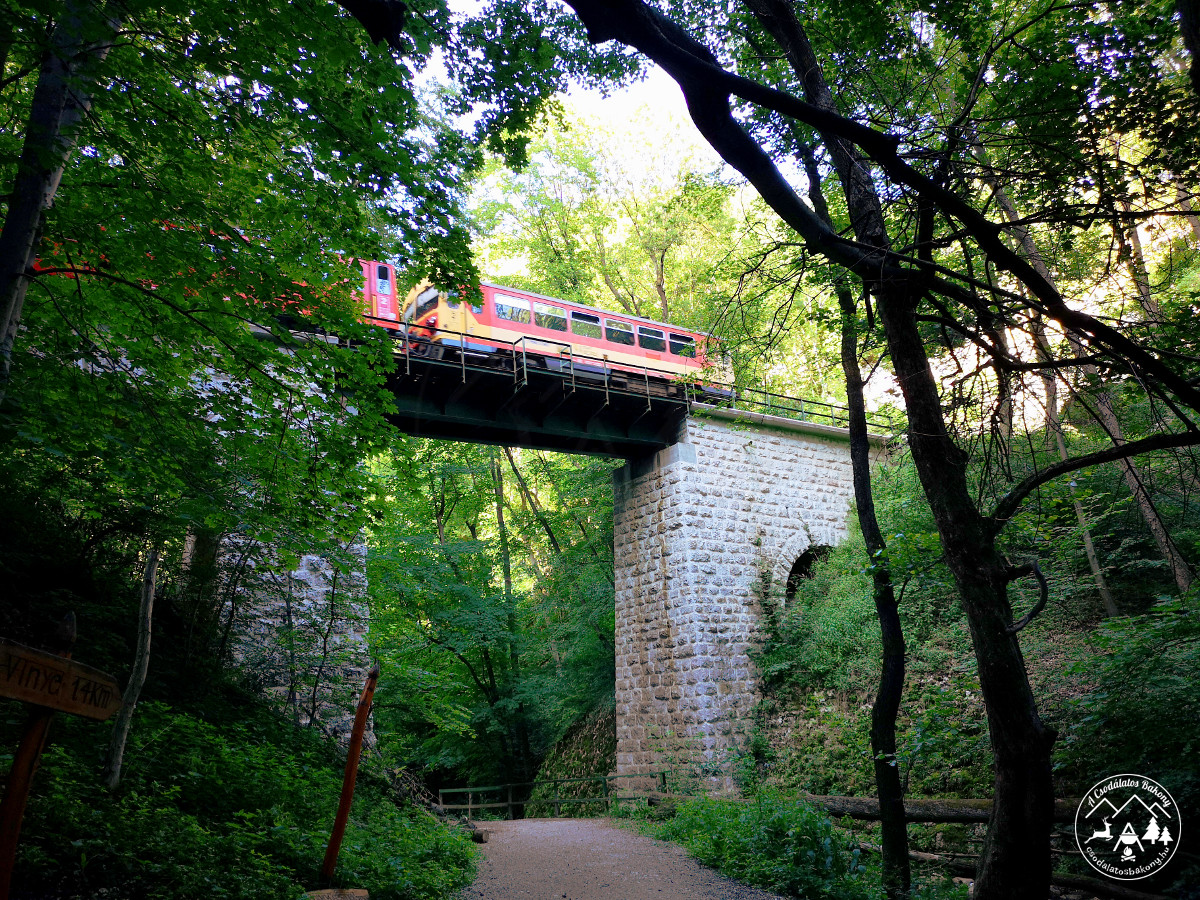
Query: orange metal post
x,y
352,754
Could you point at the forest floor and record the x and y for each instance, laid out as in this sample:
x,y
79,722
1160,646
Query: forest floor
x,y
590,859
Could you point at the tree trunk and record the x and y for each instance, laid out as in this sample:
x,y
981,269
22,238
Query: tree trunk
x,y
60,101
522,749
534,505
1189,29
1054,426
1189,211
1105,412
1137,266
1141,496
137,677
1015,863
897,876
1106,597
201,600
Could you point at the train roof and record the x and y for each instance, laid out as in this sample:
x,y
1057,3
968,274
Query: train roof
x,y
594,309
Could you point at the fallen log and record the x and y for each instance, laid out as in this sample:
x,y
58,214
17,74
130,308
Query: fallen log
x,y
923,810
1096,886
931,811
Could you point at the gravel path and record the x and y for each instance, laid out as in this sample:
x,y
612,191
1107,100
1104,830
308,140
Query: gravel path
x,y
589,859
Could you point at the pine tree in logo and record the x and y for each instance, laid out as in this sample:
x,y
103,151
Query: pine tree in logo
x,y
1152,833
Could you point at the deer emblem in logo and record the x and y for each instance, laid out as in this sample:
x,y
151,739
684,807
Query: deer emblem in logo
x,y
1106,833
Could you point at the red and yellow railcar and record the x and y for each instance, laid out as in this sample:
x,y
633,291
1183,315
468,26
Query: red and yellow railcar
x,y
548,329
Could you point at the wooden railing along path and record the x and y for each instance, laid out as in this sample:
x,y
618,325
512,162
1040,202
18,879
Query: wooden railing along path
x,y
476,795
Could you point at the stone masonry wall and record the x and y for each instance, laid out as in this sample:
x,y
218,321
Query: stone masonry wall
x,y
703,530
301,635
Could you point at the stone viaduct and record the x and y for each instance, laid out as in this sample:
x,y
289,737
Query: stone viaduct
x,y
705,531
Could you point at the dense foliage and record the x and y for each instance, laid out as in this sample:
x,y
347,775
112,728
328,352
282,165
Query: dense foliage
x,y
788,848
631,215
221,794
222,798
1111,687
492,605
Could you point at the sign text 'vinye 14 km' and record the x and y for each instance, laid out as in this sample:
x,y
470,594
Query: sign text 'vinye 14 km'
x,y
1127,827
55,682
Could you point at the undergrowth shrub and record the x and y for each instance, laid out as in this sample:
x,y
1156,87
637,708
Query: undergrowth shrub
x,y
828,633
239,806
784,846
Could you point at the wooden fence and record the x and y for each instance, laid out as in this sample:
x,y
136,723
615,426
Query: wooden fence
x,y
482,798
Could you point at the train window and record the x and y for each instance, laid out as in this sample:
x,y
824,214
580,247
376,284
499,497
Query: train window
x,y
586,326
618,332
682,345
651,338
512,309
547,316
383,280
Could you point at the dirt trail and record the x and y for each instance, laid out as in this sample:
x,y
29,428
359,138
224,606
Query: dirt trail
x,y
589,859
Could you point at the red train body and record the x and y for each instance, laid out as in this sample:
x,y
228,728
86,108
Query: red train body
x,y
545,327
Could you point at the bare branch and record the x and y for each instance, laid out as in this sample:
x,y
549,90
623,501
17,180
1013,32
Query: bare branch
x,y
1036,571
1011,502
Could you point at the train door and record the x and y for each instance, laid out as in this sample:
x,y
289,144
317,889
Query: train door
x,y
380,290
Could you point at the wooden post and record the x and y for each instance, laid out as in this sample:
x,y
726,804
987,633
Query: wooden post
x,y
510,806
352,754
557,811
24,767
607,803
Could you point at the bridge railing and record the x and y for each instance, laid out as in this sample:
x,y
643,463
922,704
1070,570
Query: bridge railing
x,y
578,370
796,408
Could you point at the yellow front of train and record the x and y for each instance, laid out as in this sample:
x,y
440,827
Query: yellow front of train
x,y
438,316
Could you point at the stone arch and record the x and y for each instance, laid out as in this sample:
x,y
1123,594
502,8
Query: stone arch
x,y
804,540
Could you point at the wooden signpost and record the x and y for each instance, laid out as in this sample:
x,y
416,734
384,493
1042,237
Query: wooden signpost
x,y
56,682
49,683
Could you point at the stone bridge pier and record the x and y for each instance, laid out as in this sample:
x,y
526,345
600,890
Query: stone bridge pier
x,y
704,531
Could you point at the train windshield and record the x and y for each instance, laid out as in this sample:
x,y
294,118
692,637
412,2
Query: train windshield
x,y
427,301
